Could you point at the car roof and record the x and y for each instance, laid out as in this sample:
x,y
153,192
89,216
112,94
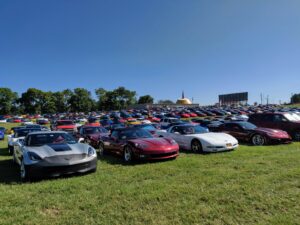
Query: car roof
x,y
48,132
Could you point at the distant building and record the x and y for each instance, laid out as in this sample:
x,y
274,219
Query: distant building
x,y
180,103
183,100
234,99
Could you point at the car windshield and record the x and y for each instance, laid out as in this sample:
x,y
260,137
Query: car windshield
x,y
50,138
147,127
24,132
33,126
94,130
186,130
67,122
175,121
134,134
248,126
292,117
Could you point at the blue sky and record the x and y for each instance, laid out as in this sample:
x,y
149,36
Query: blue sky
x,y
157,47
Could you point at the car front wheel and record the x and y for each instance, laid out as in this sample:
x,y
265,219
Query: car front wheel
x,y
128,157
258,140
196,146
101,149
24,174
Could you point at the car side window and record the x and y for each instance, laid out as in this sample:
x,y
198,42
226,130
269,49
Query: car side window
x,y
267,118
228,126
115,134
173,130
279,118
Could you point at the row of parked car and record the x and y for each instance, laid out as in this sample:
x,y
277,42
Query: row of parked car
x,y
71,146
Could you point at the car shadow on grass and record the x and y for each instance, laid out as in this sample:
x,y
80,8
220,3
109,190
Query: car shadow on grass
x,y
9,172
118,160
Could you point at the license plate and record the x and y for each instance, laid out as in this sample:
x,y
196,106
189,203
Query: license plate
x,y
228,145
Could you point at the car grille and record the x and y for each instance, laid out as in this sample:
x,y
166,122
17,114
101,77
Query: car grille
x,y
66,169
163,154
61,159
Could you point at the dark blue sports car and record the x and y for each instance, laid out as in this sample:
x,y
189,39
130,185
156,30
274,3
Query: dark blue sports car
x,y
2,133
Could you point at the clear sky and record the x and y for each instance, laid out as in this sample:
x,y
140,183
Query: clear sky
x,y
156,47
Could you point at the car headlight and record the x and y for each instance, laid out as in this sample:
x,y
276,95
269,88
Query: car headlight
x,y
138,145
33,156
91,151
173,142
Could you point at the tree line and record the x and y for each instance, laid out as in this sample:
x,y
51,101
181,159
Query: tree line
x,y
295,99
35,101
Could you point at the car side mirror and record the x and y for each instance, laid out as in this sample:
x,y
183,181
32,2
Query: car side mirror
x,y
21,142
81,140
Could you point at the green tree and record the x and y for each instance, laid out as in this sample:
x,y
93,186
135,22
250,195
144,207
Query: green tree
x,y
48,103
119,98
8,101
146,99
62,100
81,100
165,102
295,99
32,101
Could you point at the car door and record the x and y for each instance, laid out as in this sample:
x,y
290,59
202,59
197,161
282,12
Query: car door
x,y
110,142
174,133
234,130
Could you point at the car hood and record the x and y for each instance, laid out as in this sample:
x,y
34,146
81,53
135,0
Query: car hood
x,y
154,143
59,149
272,131
66,127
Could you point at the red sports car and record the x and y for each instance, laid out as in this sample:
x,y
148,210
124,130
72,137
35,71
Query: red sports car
x,y
92,135
248,132
64,125
136,143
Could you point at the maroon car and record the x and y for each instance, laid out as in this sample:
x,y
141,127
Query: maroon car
x,y
288,122
93,135
136,143
248,132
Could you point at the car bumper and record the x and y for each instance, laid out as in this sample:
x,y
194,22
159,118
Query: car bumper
x,y
158,156
219,149
280,140
48,170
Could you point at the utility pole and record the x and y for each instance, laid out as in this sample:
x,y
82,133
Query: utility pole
x,y
267,99
261,98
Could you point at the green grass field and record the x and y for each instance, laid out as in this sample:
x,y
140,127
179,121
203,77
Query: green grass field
x,y
252,185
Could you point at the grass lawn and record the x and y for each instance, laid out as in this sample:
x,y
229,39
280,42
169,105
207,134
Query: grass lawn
x,y
252,185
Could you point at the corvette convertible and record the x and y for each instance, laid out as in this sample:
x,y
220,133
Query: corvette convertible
x,y
248,132
53,154
137,143
198,139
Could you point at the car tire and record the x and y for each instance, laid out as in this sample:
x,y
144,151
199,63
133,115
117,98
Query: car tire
x,y
258,140
196,146
296,135
24,173
101,149
10,149
14,159
127,155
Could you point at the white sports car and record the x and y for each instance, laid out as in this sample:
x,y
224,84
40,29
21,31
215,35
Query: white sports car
x,y
198,139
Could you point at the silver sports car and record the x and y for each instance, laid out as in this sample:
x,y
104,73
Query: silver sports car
x,y
47,153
